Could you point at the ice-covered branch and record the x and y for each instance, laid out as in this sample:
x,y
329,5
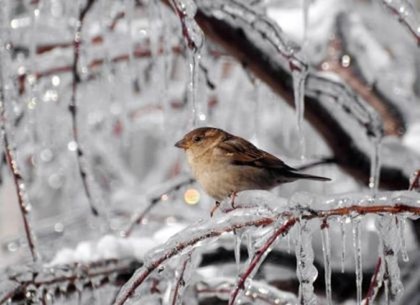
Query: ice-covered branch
x,y
258,291
344,63
406,14
374,283
181,242
22,196
215,228
75,277
81,161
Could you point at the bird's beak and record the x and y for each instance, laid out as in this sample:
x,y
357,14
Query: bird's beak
x,y
181,144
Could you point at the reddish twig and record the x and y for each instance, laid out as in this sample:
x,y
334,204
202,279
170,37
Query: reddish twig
x,y
73,100
180,280
259,254
373,283
415,183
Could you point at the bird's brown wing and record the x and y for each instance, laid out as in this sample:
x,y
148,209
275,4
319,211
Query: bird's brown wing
x,y
242,152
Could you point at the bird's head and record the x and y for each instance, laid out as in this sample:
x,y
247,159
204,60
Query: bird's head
x,y
200,140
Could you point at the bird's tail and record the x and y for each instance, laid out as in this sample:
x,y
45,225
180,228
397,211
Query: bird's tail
x,y
295,176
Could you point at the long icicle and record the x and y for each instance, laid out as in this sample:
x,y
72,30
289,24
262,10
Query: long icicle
x,y
326,250
357,258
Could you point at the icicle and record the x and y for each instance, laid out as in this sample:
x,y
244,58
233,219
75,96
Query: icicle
x,y
343,242
305,8
299,77
389,235
326,250
194,37
306,271
288,243
386,291
375,165
250,245
237,250
401,222
194,60
357,258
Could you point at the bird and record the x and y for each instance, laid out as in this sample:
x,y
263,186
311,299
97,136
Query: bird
x,y
225,164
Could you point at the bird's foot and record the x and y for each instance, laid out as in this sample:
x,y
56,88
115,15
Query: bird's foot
x,y
215,207
232,199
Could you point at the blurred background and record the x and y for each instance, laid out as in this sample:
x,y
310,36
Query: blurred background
x,y
139,88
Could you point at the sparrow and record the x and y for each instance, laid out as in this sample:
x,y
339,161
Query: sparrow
x,y
225,164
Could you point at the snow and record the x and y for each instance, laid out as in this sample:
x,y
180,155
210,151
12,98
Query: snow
x,y
113,247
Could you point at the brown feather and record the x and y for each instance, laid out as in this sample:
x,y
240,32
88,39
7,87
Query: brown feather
x,y
242,152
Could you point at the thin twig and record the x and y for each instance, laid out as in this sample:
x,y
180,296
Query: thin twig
x,y
370,296
153,202
259,254
73,101
413,31
180,280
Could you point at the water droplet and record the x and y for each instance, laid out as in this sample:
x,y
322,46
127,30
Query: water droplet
x,y
46,155
345,60
325,66
59,227
72,146
12,246
21,70
14,24
50,96
32,103
55,80
55,181
31,78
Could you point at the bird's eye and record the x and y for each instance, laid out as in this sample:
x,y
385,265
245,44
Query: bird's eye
x,y
197,139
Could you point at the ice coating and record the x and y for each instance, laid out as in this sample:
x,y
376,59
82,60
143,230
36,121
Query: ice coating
x,y
326,250
299,96
389,234
357,258
306,271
